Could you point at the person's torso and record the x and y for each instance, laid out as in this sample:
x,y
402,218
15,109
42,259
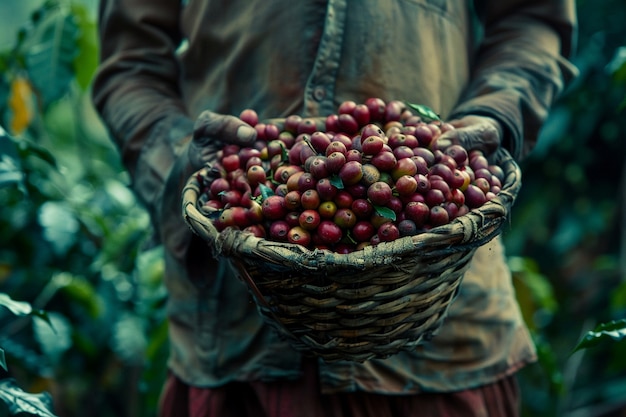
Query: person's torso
x,y
306,57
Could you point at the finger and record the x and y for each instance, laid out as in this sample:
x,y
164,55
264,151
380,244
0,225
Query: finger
x,y
470,138
298,123
280,122
212,127
483,136
458,123
449,138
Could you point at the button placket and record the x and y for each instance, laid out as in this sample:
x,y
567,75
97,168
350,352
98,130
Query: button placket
x,y
319,91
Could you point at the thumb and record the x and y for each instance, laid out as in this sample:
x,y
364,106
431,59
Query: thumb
x,y
211,127
446,139
472,132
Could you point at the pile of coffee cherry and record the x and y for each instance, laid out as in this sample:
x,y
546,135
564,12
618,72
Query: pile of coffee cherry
x,y
369,173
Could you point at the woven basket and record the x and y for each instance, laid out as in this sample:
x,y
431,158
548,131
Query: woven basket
x,y
370,303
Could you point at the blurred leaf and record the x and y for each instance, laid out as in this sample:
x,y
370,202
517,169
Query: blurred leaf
x,y
3,361
155,369
5,89
614,330
49,50
534,292
22,403
150,267
55,339
552,131
129,338
25,356
19,308
121,194
22,308
548,360
569,232
618,298
539,284
86,60
617,65
59,225
28,148
10,169
157,341
82,292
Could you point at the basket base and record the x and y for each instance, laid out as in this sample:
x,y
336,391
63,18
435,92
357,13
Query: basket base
x,y
326,331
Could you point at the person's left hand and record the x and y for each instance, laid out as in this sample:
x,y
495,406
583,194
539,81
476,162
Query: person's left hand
x,y
472,132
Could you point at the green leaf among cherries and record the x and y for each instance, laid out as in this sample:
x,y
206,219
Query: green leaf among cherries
x,y
385,212
426,113
336,181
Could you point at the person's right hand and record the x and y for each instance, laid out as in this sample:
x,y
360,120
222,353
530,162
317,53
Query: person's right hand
x,y
212,131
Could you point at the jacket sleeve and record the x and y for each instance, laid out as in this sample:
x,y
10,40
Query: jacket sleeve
x,y
520,66
136,90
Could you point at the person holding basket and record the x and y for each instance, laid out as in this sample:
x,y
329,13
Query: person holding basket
x,y
173,77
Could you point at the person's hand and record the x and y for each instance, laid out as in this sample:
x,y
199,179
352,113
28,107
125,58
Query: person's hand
x,y
472,132
212,131
318,121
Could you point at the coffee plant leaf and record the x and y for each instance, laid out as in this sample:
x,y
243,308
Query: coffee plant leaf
x,y
22,308
10,167
426,113
22,148
55,337
18,308
611,331
336,181
385,212
49,49
617,66
19,402
86,60
60,225
265,191
129,339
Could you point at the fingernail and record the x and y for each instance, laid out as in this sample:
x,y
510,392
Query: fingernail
x,y
246,134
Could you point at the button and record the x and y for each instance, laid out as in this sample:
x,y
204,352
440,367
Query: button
x,y
319,93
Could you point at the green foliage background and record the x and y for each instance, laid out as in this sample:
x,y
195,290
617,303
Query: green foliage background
x,y
75,242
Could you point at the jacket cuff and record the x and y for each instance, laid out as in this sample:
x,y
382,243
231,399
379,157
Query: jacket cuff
x,y
499,108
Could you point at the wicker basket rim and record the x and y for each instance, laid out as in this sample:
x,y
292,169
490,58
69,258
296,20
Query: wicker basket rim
x,y
460,234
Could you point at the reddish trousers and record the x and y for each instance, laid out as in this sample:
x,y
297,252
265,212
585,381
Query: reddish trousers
x,y
302,398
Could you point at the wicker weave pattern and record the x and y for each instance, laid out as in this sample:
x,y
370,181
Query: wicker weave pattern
x,y
366,304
